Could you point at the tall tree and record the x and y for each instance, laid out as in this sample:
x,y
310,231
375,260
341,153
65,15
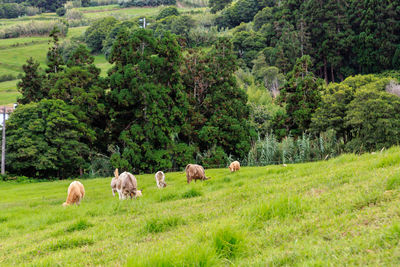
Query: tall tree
x,y
148,104
301,95
219,112
31,84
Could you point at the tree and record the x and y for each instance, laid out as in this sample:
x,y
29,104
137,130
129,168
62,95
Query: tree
x,y
147,101
301,95
31,84
54,57
36,145
335,101
374,117
218,115
217,5
166,12
98,32
61,11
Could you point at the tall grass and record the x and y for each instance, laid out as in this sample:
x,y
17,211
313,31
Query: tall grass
x,y
195,3
303,149
33,28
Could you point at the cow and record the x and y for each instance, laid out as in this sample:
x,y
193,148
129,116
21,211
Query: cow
x,y
125,184
195,172
234,166
76,192
160,179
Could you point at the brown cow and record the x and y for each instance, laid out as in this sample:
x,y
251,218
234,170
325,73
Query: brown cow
x,y
76,192
160,179
195,172
126,185
234,166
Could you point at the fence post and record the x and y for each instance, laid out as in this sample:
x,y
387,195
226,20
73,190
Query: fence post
x,y
3,143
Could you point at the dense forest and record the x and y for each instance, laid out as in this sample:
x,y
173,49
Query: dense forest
x,y
263,82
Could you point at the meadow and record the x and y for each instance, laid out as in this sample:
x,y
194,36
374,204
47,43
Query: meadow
x,y
344,211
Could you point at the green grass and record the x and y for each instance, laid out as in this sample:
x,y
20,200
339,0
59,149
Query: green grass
x,y
344,211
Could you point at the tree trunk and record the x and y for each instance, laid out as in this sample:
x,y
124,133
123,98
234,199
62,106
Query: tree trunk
x,y
325,71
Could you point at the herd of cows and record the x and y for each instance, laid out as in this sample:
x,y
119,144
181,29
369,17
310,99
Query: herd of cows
x,y
125,184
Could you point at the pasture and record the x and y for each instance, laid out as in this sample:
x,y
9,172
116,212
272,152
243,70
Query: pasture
x,y
344,211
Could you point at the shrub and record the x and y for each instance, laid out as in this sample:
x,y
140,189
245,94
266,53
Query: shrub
x,y
98,32
168,11
74,14
7,77
61,11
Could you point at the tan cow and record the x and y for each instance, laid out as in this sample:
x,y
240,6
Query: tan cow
x,y
234,166
76,192
195,172
160,179
126,185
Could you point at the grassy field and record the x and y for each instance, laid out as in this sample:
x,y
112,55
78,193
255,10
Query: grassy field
x,y
344,211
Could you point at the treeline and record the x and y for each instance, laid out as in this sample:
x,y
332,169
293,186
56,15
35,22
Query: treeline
x,y
343,38
15,8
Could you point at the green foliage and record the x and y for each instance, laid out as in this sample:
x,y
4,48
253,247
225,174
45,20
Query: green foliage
x,y
301,95
217,5
270,150
238,12
31,84
61,11
166,12
98,31
361,111
218,111
11,10
179,25
54,58
36,146
147,100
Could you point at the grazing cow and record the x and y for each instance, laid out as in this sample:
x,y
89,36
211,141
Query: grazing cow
x,y
234,166
160,179
126,185
76,192
195,172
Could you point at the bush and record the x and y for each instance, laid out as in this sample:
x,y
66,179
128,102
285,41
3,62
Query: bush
x,y
98,32
31,10
74,14
7,77
61,11
11,10
168,11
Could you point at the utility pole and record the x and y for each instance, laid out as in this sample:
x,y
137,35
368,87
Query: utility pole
x,y
144,23
3,144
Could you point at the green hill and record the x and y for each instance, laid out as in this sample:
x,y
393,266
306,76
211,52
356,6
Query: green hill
x,y
344,211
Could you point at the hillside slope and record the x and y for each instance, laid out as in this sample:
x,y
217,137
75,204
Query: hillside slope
x,y
342,211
